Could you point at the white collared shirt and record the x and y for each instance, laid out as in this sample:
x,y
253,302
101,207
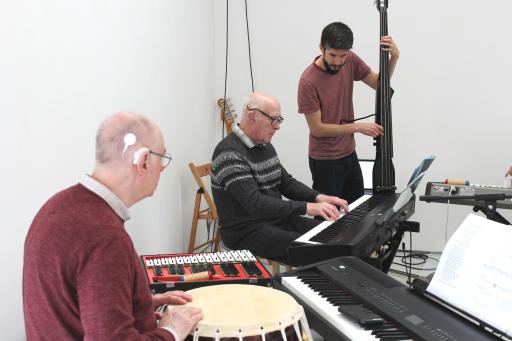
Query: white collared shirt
x,y
106,194
243,136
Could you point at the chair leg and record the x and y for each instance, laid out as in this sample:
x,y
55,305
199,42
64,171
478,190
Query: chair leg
x,y
216,245
275,267
193,228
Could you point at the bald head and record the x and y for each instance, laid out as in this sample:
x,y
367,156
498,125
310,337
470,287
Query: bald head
x,y
119,133
261,117
258,100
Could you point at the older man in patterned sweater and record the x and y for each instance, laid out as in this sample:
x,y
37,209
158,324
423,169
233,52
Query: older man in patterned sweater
x,y
249,182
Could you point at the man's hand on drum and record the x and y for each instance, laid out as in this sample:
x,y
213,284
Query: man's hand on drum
x,y
171,297
181,319
325,207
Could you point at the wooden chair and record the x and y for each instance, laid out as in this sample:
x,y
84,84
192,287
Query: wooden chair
x,y
209,213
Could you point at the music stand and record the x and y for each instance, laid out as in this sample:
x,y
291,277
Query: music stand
x,y
402,200
384,261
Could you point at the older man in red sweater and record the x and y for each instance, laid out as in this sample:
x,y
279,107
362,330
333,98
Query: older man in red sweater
x,y
82,279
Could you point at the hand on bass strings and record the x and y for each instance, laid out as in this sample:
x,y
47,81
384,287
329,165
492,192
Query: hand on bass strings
x,y
389,45
369,129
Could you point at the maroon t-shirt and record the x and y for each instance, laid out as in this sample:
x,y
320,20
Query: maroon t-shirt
x,y
332,95
82,279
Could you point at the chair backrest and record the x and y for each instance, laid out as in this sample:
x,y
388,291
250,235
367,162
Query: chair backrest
x,y
199,172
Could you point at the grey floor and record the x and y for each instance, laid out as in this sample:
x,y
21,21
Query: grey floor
x,y
422,265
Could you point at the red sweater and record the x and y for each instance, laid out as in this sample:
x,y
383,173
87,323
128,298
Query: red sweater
x,y
82,278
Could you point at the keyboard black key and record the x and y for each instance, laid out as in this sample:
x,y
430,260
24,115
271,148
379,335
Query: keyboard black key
x,y
365,317
346,222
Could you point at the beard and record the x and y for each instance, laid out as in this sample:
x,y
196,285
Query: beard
x,y
330,69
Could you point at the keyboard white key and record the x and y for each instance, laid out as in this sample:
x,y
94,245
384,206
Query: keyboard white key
x,y
165,261
305,238
201,258
328,311
157,262
172,261
149,263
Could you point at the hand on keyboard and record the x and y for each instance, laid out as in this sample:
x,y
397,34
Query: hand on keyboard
x,y
323,209
333,201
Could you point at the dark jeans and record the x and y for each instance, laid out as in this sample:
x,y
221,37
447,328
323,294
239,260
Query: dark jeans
x,y
341,177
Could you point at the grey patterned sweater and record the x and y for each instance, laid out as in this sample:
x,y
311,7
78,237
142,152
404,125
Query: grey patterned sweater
x,y
248,185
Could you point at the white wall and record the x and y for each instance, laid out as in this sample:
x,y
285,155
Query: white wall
x,y
64,66
451,85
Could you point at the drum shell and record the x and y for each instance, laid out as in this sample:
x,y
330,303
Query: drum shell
x,y
272,336
246,312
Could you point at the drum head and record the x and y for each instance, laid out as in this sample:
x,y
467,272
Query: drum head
x,y
232,310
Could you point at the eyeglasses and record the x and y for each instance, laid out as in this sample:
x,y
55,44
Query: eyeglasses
x,y
165,159
273,120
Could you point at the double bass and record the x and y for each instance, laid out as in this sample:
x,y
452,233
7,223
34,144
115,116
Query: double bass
x,y
383,169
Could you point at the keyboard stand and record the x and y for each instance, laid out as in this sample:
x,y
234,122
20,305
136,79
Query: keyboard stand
x,y
385,257
486,203
489,209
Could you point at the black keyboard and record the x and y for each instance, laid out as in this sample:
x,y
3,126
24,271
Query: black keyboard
x,y
354,234
397,312
333,233
377,326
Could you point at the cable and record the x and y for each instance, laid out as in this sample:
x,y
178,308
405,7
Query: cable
x,y
357,119
408,269
408,258
447,216
226,66
249,44
227,53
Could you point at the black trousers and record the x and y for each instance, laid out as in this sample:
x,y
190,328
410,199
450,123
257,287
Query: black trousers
x,y
268,240
341,177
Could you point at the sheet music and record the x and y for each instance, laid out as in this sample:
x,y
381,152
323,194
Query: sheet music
x,y
475,272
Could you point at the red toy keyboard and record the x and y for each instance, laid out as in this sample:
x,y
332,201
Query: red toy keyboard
x,y
186,271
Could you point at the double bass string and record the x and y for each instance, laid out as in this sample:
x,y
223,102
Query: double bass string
x,y
383,106
385,145
387,166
